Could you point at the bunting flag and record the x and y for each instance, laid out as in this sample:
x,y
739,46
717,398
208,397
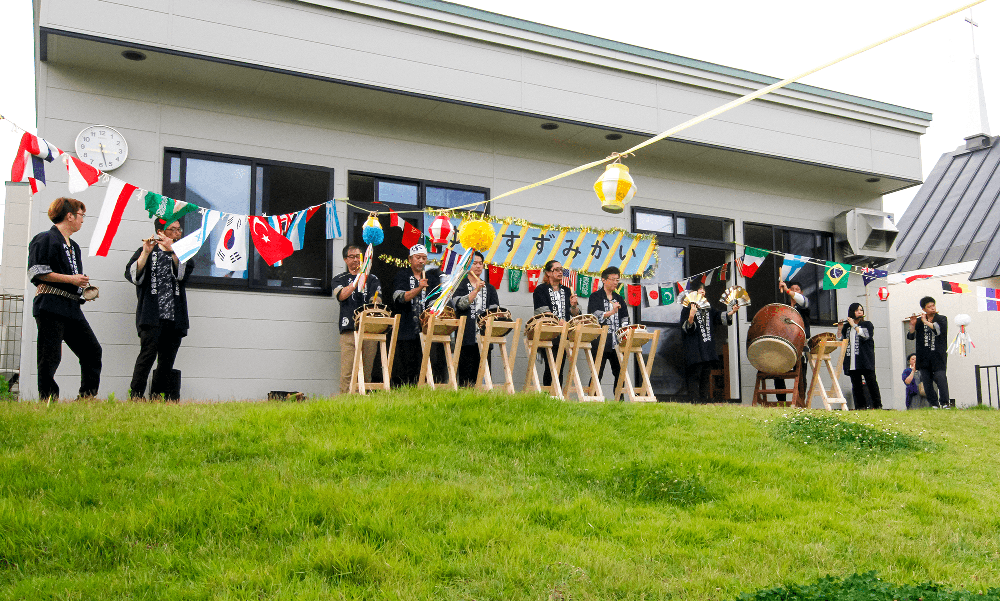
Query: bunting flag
x,y
570,280
724,273
835,276
448,261
752,259
188,246
919,276
790,265
514,279
707,277
81,175
167,209
869,275
667,295
954,287
231,251
496,275
634,295
297,228
680,287
653,296
584,285
989,298
332,220
29,163
411,235
117,196
534,276
621,290
271,245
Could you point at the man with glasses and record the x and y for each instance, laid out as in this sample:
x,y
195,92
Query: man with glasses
x,y
55,267
553,297
161,314
609,308
473,297
346,291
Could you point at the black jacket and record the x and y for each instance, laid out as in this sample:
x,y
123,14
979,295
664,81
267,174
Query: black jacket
x,y
463,307
355,300
147,311
597,305
699,337
48,253
864,347
543,302
932,347
409,323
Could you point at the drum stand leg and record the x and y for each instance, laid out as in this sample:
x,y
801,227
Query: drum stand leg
x,y
484,380
592,392
386,343
835,395
761,391
450,354
624,385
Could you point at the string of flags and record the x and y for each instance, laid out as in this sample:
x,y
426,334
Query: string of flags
x,y
835,275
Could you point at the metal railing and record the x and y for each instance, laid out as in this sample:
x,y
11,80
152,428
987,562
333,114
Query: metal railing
x,y
990,385
11,312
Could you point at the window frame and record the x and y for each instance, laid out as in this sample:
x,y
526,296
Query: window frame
x,y
831,250
247,284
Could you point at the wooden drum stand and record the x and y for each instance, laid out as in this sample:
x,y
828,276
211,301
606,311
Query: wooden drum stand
x,y
820,353
632,345
439,329
544,336
578,343
381,330
496,333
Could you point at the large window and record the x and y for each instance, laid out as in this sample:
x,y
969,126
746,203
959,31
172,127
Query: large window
x,y
763,286
373,192
245,186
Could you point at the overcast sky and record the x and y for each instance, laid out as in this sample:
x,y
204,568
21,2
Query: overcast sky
x,y
929,70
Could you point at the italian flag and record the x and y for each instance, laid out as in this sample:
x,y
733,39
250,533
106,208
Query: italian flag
x,y
117,196
752,259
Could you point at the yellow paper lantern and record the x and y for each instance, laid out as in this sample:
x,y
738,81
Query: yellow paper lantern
x,y
477,235
615,188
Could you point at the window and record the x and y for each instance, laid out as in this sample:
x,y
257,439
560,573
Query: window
x,y
246,186
763,286
409,197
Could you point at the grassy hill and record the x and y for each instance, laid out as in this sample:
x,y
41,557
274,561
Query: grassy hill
x,y
421,495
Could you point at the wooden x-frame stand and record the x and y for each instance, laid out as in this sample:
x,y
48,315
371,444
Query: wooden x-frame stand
x,y
439,329
578,343
834,395
760,389
633,346
381,330
533,383
496,333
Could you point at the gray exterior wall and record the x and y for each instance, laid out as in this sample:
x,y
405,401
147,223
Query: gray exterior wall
x,y
243,344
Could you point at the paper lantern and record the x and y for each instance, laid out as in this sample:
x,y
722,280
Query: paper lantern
x,y
372,232
615,188
439,230
477,235
883,293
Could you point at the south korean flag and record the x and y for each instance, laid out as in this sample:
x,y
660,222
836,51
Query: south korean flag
x,y
231,252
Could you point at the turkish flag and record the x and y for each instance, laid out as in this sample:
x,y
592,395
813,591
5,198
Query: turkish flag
x,y
534,275
271,245
496,275
634,295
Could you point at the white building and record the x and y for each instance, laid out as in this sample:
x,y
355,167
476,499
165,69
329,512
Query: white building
x,y
275,105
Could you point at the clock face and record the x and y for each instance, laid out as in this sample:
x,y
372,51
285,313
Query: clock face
x,y
102,147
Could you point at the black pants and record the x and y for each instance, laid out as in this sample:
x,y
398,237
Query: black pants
x,y
468,364
159,343
409,355
857,388
547,373
802,383
53,330
940,378
697,381
616,366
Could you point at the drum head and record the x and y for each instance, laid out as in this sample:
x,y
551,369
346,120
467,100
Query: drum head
x,y
772,355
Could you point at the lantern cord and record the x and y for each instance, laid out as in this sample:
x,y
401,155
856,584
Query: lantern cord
x,y
722,109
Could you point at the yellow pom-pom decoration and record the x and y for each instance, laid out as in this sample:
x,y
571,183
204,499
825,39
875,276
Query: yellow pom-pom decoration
x,y
477,234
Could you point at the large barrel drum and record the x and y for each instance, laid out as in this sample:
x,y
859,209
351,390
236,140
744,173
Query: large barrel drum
x,y
775,339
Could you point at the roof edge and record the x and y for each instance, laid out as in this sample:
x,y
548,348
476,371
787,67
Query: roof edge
x,y
606,44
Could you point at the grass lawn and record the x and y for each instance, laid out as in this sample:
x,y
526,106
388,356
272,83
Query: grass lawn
x,y
420,495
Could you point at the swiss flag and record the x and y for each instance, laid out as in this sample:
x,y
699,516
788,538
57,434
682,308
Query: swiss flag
x,y
496,275
271,245
534,275
634,294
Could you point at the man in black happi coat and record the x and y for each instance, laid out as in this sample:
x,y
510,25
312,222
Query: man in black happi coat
x,y
698,333
411,295
473,300
930,331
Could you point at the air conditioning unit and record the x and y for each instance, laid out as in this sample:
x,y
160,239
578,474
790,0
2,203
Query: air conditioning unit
x,y
865,236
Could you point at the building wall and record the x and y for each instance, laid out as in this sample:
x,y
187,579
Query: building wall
x,y
904,301
13,267
439,55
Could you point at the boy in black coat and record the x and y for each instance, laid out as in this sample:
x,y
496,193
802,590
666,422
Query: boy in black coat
x,y
930,331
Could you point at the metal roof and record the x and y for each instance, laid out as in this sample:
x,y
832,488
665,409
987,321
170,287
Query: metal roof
x,y
582,38
955,216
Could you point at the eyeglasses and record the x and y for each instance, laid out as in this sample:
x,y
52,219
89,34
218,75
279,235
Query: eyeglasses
x,y
613,280
80,215
353,256
173,229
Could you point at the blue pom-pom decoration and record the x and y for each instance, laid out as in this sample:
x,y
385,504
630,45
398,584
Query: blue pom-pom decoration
x,y
372,235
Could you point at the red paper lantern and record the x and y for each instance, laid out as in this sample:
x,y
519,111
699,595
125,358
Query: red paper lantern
x,y
440,230
883,293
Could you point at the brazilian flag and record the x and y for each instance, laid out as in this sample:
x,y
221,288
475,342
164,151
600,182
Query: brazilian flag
x,y
835,277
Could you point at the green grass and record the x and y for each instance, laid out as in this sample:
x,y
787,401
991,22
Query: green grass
x,y
418,495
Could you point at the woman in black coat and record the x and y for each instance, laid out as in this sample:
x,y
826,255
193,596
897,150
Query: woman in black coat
x,y
859,358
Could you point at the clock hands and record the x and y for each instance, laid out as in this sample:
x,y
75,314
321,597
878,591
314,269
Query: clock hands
x,y
101,146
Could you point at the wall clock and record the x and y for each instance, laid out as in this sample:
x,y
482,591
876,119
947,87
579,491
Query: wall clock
x,y
102,147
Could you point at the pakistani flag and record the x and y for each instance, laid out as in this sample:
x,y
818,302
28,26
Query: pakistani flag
x,y
836,275
752,259
666,295
514,279
167,209
790,265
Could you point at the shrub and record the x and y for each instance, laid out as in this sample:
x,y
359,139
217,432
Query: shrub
x,y
830,431
865,587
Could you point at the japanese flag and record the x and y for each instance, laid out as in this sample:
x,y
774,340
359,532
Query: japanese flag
x,y
653,295
231,252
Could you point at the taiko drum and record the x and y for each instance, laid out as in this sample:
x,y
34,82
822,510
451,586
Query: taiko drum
x,y
775,339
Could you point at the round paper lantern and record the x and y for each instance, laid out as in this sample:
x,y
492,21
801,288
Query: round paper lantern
x,y
372,232
476,234
615,188
883,293
439,230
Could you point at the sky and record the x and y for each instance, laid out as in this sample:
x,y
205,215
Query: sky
x,y
929,70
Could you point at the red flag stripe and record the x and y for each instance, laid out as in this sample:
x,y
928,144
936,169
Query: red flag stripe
x,y
116,218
